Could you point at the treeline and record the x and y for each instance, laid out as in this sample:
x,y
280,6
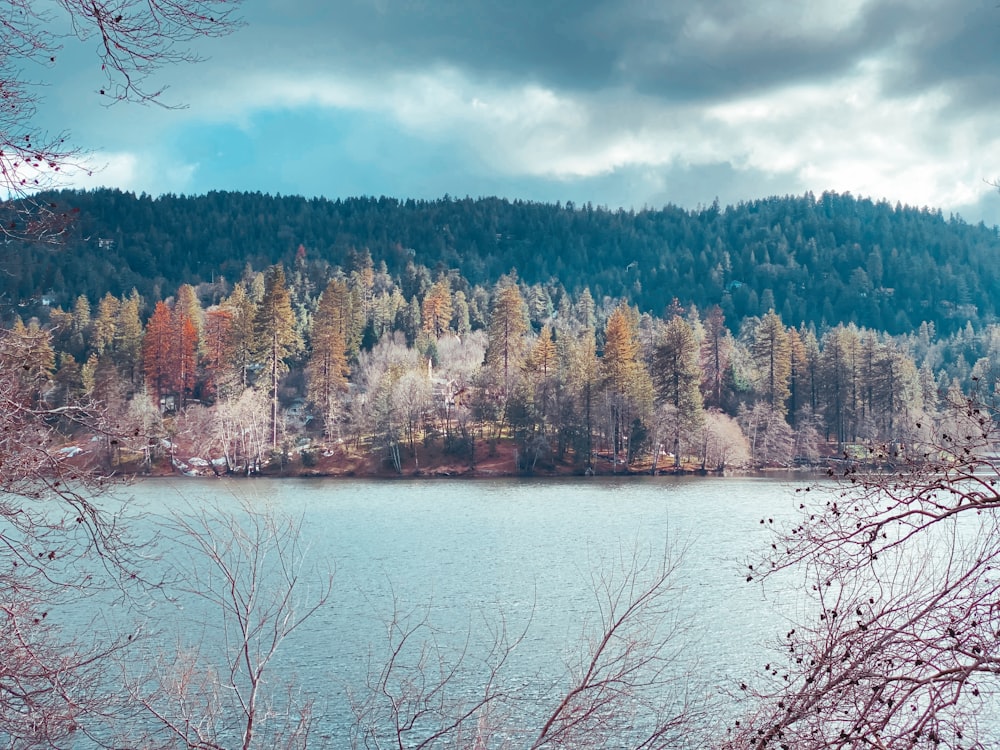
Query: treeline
x,y
347,356
818,260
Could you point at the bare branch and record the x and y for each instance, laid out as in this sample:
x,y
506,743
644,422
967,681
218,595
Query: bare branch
x,y
901,567
134,39
249,569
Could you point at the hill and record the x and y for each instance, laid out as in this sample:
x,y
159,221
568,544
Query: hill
x,y
819,260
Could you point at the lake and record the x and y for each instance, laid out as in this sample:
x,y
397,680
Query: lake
x,y
468,557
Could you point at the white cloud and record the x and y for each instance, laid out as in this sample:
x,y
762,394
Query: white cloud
x,y
138,172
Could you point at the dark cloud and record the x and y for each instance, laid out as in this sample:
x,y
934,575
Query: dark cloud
x,y
954,46
666,49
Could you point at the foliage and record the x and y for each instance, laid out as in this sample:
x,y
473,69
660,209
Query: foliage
x,y
327,368
275,339
825,259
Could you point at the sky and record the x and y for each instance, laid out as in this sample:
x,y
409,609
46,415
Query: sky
x,y
622,103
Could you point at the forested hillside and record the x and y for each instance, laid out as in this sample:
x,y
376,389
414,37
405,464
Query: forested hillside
x,y
581,337
816,260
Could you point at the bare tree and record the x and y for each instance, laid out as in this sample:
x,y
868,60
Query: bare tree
x,y
771,438
418,696
902,649
241,430
132,38
630,685
259,585
627,686
56,546
722,443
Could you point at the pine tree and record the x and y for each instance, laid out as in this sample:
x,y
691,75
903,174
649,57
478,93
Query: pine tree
x,y
678,377
839,392
186,303
411,321
460,314
156,354
541,359
797,376
79,327
222,376
585,308
507,327
808,377
584,375
81,314
627,383
541,367
183,355
31,348
896,394
621,362
327,368
275,339
105,324
437,308
716,350
772,356
128,338
244,312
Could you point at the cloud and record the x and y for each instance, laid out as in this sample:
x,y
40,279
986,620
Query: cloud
x,y
838,134
638,101
137,172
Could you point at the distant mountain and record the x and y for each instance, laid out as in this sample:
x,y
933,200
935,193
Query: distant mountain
x,y
818,259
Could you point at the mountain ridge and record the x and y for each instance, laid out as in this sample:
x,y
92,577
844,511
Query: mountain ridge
x,y
818,260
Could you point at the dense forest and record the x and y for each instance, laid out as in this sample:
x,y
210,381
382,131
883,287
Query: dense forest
x,y
349,342
820,260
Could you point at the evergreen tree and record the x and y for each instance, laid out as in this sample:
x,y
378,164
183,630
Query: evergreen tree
x,y
437,308
460,320
797,376
30,347
128,338
578,387
186,304
839,378
327,367
677,377
156,352
627,385
507,327
79,327
585,309
243,311
541,368
183,352
105,324
896,395
772,356
411,320
275,339
716,349
222,373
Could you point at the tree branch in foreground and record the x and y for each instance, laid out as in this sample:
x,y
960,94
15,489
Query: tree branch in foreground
x,y
903,646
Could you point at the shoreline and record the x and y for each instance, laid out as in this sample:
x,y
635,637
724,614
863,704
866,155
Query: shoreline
x,y
336,462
